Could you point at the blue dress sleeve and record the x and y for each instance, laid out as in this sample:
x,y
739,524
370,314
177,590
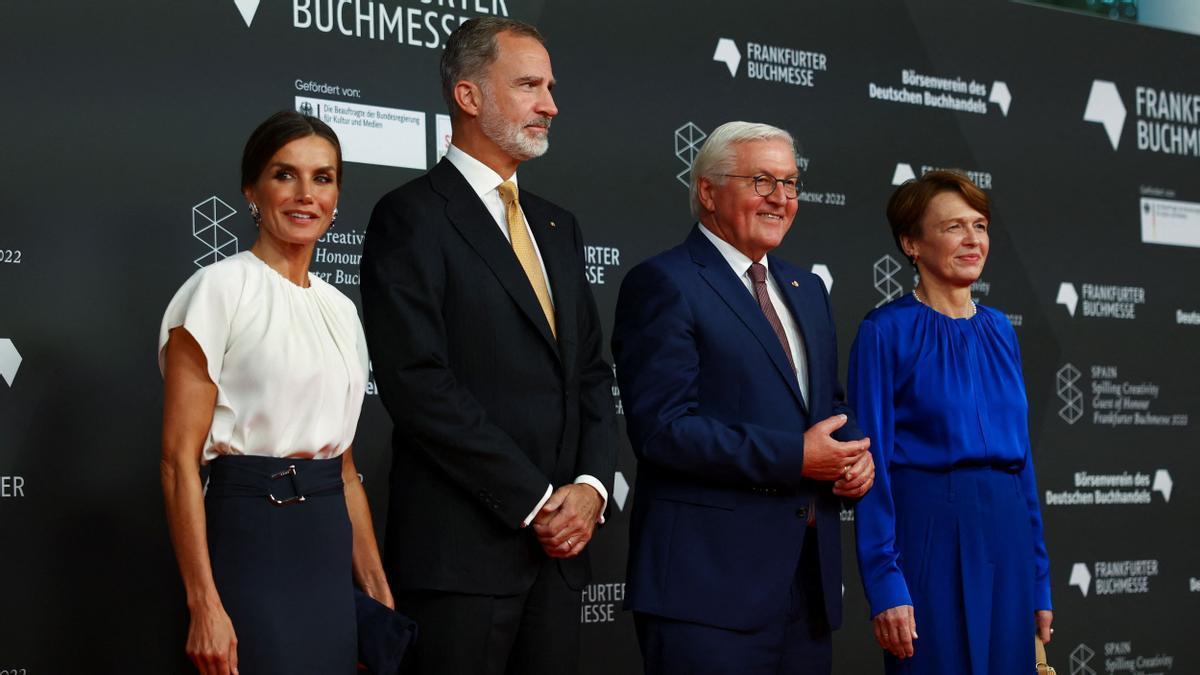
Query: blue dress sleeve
x,y
871,385
1029,489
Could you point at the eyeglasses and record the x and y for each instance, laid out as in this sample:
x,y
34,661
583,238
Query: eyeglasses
x,y
764,185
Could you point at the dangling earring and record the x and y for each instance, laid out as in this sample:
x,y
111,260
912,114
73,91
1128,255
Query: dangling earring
x,y
333,220
254,214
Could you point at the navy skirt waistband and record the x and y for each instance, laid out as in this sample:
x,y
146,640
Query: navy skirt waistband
x,y
282,480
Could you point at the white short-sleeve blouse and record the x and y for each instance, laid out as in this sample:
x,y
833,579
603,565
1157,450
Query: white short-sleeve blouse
x,y
290,363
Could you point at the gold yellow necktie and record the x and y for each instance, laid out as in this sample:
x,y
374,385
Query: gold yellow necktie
x,y
523,247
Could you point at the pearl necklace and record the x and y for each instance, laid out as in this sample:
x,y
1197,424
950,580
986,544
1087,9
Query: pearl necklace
x,y
922,301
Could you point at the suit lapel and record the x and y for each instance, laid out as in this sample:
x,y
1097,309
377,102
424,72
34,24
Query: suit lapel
x,y
804,308
472,220
552,240
715,270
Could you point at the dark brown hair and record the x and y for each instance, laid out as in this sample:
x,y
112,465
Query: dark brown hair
x,y
471,48
277,131
908,203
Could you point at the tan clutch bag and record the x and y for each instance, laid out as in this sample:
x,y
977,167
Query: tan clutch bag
x,y
1039,651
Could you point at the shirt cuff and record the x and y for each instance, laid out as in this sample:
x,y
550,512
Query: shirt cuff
x,y
585,479
540,504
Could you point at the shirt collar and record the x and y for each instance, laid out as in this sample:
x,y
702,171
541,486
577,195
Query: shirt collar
x,y
737,260
479,176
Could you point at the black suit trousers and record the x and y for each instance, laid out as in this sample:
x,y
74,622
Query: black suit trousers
x,y
531,633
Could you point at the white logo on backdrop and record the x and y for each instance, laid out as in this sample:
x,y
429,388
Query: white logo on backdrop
x,y
1104,106
373,134
207,217
10,360
597,260
1069,394
247,8
727,52
443,133
902,173
885,279
1067,297
1001,96
779,64
1163,484
905,171
948,92
822,271
1081,577
1172,222
620,490
1127,488
688,139
1080,658
1101,301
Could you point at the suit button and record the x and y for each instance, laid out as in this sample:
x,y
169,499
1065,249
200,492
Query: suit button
x,y
802,512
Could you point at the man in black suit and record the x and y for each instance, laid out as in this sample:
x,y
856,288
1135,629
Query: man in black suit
x,y
486,346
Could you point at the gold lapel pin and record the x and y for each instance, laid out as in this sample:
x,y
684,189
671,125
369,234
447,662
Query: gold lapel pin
x,y
552,224
796,283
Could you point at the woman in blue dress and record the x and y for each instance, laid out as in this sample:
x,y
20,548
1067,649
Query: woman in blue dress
x,y
950,539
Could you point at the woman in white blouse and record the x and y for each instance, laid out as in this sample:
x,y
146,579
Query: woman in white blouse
x,y
264,368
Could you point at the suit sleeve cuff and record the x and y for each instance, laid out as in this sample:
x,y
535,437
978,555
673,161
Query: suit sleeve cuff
x,y
585,479
540,504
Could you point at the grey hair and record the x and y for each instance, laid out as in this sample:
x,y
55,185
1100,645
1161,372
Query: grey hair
x,y
472,47
719,153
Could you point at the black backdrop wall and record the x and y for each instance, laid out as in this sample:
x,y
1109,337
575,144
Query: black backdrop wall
x,y
123,124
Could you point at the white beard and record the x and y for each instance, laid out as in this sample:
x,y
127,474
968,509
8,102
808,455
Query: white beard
x,y
512,138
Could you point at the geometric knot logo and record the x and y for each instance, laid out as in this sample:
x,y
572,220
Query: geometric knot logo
x,y
1067,297
1104,106
620,490
1081,577
688,139
10,360
247,8
1001,96
902,173
1080,658
885,279
727,53
207,217
1070,395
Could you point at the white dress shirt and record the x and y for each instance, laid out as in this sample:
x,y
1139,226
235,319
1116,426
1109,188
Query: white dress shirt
x,y
740,263
484,181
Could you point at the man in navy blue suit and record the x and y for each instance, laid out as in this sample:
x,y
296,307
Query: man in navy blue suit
x,y
727,362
